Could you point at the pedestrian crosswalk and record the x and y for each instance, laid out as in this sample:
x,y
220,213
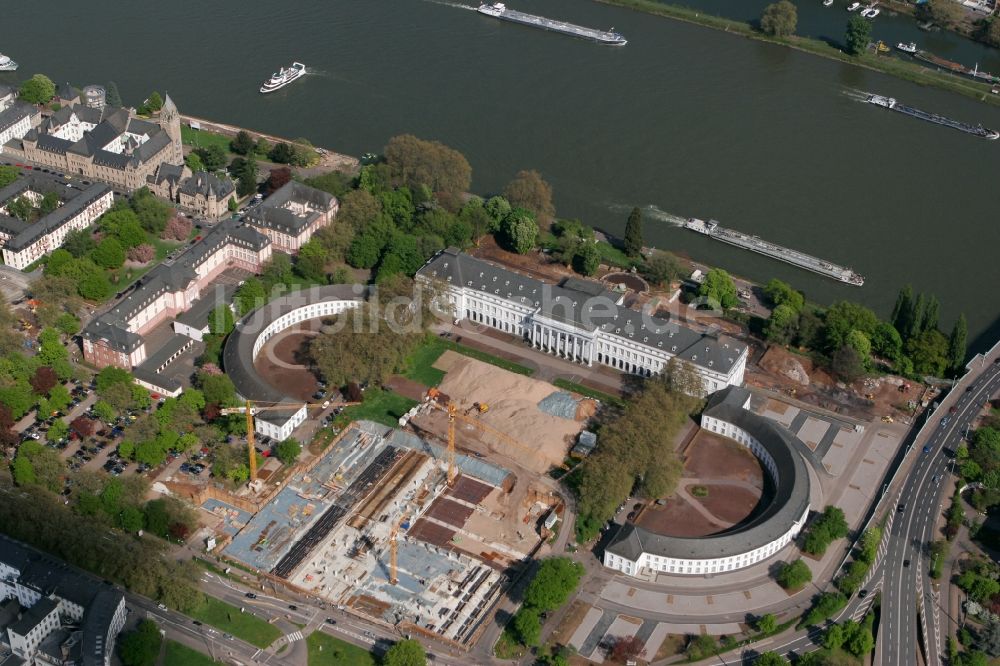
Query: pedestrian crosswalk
x,y
294,636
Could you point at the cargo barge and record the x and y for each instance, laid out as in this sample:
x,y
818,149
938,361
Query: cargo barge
x,y
891,104
774,251
500,11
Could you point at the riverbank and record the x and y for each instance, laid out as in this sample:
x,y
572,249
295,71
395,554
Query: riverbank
x,y
328,159
886,64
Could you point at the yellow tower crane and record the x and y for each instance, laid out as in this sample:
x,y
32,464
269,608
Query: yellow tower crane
x,y
454,415
251,409
394,548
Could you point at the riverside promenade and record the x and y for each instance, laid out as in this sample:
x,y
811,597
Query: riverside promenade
x,y
329,159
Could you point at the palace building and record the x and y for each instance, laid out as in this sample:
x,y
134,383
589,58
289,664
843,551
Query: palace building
x,y
580,320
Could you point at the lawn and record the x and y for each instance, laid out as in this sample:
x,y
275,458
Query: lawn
x,y
588,392
380,405
229,619
325,650
420,363
203,139
181,655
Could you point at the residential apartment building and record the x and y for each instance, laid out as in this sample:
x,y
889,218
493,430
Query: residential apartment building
x,y
108,144
16,118
51,614
24,243
580,321
292,214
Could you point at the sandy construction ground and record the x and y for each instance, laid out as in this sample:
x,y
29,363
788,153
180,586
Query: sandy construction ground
x,y
513,410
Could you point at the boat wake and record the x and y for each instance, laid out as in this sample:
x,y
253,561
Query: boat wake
x,y
650,211
456,5
855,94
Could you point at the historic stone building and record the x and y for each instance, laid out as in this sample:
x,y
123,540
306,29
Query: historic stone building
x,y
115,338
292,214
108,144
581,321
203,194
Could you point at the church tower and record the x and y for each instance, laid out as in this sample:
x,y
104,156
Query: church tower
x,y
170,121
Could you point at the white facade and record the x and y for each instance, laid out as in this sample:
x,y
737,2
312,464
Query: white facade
x,y
606,346
46,243
285,321
18,129
702,566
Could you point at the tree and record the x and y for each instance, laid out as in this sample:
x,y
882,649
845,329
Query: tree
x,y
518,232
49,202
766,624
943,12
213,157
222,320
662,268
587,259
281,153
556,579
718,287
177,228
152,213
246,176
770,659
779,19
21,208
529,191
311,262
218,389
623,649
109,253
794,575
412,162
111,95
43,380
278,178
288,450
407,652
931,315
23,472
142,646
39,89
929,353
633,233
781,293
141,254
95,287
957,344
781,324
527,626
242,143
250,296
83,426
193,162
859,34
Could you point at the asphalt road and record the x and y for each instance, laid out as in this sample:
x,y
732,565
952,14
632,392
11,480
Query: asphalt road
x,y
910,608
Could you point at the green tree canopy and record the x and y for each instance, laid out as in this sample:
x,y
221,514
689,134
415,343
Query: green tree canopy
x,y
288,450
407,652
859,34
413,162
779,19
518,232
39,89
556,579
529,191
720,288
633,233
109,253
142,646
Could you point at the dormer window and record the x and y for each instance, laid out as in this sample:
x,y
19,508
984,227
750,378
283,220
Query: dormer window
x,y
674,348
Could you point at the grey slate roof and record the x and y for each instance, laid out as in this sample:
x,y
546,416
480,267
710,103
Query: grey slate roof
x,y
171,173
271,213
790,501
586,305
14,115
237,359
34,616
198,314
113,325
203,183
96,622
60,216
163,382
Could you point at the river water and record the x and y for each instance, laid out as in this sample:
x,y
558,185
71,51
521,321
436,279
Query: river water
x,y
684,119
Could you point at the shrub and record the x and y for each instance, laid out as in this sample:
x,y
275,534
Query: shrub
x,y
142,254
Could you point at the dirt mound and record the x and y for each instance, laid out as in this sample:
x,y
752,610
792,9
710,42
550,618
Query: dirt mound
x,y
779,362
513,405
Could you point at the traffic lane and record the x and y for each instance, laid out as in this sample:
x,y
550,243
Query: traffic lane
x,y
182,623
923,498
